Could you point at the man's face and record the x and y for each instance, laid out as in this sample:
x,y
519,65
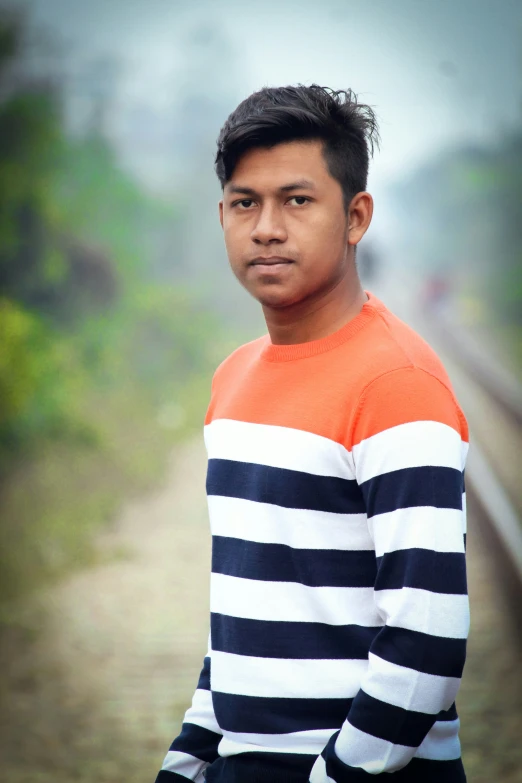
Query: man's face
x,y
285,226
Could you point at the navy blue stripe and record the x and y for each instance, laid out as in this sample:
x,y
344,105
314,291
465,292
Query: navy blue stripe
x,y
282,487
204,677
275,639
431,771
281,563
421,651
391,723
450,714
165,776
417,771
439,572
270,715
262,767
425,486
199,742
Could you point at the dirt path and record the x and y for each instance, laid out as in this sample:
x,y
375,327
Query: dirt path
x,y
96,691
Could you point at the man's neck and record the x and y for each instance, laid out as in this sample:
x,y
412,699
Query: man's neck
x,y
302,324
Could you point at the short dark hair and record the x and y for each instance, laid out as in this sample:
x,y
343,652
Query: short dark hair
x,y
274,115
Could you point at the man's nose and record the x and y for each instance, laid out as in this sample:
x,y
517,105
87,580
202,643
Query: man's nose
x,y
270,226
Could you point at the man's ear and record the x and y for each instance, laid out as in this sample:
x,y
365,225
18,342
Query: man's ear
x,y
221,212
360,214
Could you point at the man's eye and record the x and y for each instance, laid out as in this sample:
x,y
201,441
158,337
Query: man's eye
x,y
245,203
300,199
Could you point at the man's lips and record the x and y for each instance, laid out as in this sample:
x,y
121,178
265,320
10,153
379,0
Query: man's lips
x,y
270,261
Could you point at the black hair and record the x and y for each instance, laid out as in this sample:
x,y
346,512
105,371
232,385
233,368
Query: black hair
x,y
274,115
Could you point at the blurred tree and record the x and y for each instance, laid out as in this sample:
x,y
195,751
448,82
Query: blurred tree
x,y
41,266
463,213
99,341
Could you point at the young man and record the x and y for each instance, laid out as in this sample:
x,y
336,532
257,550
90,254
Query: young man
x,y
339,612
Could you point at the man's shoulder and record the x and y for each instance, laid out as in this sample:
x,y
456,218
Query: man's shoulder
x,y
405,381
398,346
240,357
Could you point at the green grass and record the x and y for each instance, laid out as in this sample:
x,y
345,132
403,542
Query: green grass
x,y
54,500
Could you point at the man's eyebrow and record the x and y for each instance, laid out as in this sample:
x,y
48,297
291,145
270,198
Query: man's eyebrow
x,y
300,184
242,189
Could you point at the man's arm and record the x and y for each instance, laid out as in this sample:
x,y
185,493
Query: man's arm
x,y
409,443
196,746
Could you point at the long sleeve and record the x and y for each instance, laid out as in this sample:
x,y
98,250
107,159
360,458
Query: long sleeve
x,y
408,446
196,746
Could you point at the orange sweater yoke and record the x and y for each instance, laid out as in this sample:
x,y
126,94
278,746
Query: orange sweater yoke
x,y
326,386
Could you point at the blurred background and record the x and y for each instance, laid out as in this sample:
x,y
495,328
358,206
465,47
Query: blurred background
x,y
117,304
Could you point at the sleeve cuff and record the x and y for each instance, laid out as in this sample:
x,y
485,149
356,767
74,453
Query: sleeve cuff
x,y
329,768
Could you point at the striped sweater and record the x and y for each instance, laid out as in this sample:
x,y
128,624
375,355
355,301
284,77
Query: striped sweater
x,y
339,608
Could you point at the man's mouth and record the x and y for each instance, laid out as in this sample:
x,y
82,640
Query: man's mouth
x,y
270,261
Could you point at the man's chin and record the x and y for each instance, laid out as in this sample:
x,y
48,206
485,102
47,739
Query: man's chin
x,y
276,300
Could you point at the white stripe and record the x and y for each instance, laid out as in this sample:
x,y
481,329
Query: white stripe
x,y
184,764
425,527
442,742
201,712
374,755
278,447
439,614
411,445
408,688
298,528
286,677
318,772
464,452
307,742
292,602
464,513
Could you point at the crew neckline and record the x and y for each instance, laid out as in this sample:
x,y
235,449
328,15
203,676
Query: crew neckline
x,y
286,353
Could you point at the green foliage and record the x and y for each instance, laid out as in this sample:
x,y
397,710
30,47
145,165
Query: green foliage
x,y
105,359
39,376
29,138
98,201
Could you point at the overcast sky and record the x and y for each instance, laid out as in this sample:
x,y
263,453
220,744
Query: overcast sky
x,y
438,72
